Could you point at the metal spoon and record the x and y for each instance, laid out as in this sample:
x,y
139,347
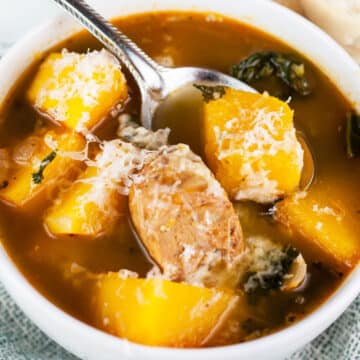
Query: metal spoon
x,y
155,82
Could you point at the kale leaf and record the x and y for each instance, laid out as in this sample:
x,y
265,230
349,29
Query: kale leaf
x,y
211,92
38,176
352,134
272,278
264,64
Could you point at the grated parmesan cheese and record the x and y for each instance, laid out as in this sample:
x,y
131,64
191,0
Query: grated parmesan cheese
x,y
263,261
130,131
252,141
117,165
319,226
251,145
78,90
127,274
327,210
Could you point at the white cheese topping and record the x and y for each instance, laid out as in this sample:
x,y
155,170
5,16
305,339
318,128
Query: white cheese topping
x,y
77,76
253,141
117,165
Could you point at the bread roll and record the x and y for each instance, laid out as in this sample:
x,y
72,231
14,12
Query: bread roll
x,y
294,5
340,18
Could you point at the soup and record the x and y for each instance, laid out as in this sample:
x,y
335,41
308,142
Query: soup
x,y
88,218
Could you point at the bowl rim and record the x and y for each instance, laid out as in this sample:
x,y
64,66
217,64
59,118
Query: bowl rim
x,y
299,333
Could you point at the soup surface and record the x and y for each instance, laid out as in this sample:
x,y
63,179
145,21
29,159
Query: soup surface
x,y
53,263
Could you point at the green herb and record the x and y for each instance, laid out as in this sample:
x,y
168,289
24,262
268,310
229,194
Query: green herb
x,y
274,279
352,134
290,255
38,177
211,92
291,318
269,63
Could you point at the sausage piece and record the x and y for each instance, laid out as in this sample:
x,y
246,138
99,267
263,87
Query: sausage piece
x,y
186,221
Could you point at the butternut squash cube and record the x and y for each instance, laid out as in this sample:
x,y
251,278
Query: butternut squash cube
x,y
324,229
160,312
37,168
76,211
96,200
251,145
78,90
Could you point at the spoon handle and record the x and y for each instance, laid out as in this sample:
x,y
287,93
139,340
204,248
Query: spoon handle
x,y
145,71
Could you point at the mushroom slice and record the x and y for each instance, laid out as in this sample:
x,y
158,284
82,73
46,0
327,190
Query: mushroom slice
x,y
186,221
297,274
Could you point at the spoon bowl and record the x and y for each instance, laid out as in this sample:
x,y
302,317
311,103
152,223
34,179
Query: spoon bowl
x,y
155,82
176,78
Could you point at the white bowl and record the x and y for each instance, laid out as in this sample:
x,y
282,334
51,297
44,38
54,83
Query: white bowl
x,y
87,342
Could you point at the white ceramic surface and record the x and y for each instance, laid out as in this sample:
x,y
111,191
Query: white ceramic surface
x,y
10,30
89,343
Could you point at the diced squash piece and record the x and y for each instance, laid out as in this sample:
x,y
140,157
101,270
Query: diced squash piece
x,y
251,145
76,210
96,200
43,169
78,90
160,312
324,229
